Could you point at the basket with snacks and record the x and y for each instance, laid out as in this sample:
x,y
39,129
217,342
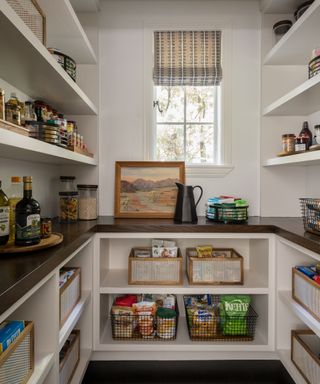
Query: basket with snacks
x,y
220,318
148,317
227,209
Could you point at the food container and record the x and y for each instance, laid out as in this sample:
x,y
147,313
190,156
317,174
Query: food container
x,y
281,28
166,323
87,201
305,351
69,357
17,361
68,64
302,8
288,142
69,200
224,267
154,270
46,227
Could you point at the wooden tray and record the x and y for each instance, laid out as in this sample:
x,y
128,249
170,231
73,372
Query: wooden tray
x,y
81,151
54,239
14,128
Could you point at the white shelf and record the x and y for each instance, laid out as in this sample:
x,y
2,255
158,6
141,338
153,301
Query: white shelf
x,y
306,158
27,65
16,146
295,47
41,369
73,318
276,6
86,5
64,31
285,357
85,355
181,344
303,315
302,100
116,281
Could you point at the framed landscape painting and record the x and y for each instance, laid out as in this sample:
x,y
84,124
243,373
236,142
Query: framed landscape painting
x,y
146,189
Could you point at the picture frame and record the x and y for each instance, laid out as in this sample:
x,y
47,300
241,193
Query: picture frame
x,y
146,189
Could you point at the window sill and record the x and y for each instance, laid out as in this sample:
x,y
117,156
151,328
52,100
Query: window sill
x,y
207,170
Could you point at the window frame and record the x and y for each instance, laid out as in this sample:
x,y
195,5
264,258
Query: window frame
x,y
192,170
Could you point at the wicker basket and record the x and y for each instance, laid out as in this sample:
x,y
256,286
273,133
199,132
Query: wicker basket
x,y
17,362
144,327
306,292
155,270
305,350
204,327
70,294
310,210
69,362
226,214
226,270
32,15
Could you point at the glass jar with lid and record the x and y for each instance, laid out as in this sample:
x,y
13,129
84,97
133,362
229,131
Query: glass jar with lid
x,y
69,200
87,201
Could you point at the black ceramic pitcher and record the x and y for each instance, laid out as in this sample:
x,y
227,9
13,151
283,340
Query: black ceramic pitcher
x,y
186,211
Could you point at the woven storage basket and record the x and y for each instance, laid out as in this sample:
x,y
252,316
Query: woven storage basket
x,y
70,294
69,363
31,14
215,270
155,270
306,292
17,362
305,350
310,210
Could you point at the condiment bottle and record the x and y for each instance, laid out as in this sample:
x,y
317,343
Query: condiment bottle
x,y
2,104
4,217
305,132
15,195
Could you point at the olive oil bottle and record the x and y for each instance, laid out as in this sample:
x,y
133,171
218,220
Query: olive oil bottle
x,y
27,216
4,217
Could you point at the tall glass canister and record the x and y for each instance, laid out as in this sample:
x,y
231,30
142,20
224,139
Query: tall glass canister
x,y
87,201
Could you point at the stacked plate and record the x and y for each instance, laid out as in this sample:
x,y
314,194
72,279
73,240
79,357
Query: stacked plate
x,y
314,65
44,132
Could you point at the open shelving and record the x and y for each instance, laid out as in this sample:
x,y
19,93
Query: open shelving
x,y
41,369
16,146
28,65
85,355
295,47
306,158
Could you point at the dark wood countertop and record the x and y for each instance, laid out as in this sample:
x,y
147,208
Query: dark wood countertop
x,y
19,273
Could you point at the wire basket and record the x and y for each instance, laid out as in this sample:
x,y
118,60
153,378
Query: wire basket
x,y
144,326
216,327
227,214
310,210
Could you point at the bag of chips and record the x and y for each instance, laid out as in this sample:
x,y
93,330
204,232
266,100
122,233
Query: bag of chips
x,y
233,314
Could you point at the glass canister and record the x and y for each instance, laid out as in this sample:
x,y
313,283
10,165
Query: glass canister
x,y
87,201
69,200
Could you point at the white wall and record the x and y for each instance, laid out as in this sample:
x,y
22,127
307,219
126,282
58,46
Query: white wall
x,y
122,105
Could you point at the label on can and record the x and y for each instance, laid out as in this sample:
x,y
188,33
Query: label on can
x,y
4,221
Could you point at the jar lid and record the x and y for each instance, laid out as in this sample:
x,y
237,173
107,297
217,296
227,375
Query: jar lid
x,y
67,178
282,23
16,179
87,186
166,313
288,135
72,193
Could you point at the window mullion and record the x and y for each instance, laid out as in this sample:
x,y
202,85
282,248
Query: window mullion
x,y
185,124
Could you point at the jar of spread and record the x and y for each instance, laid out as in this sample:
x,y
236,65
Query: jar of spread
x,y
301,144
288,142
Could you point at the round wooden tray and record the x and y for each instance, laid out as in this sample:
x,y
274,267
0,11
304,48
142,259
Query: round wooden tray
x,y
54,239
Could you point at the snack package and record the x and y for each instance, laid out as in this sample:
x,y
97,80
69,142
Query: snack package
x,y
204,251
125,301
233,312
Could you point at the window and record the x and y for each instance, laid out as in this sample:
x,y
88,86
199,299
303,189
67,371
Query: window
x,y
187,79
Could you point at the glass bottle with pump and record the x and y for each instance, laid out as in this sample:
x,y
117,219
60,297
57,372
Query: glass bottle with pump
x,y
4,217
15,195
27,217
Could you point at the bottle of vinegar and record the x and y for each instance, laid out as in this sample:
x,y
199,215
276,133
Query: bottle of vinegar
x,y
15,195
27,217
4,217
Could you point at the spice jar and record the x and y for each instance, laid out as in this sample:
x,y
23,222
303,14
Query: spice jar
x,y
288,142
69,200
46,227
87,201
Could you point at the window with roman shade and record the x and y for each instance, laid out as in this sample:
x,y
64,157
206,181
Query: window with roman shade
x,y
187,58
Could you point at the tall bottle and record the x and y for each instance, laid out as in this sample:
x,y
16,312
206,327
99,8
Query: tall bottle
x,y
15,195
4,217
27,217
305,132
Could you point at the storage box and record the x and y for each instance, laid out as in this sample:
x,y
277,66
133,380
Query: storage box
x,y
17,361
129,326
70,294
70,358
31,14
305,350
306,292
226,269
154,270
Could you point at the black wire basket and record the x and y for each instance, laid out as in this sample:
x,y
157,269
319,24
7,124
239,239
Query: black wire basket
x,y
218,327
227,214
310,210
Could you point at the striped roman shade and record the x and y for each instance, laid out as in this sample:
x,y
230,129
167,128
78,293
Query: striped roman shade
x,y
187,58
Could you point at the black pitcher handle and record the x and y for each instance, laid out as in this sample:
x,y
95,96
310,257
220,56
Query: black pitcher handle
x,y
201,193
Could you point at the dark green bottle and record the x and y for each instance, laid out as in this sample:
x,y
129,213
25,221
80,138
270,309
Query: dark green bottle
x,y
4,217
27,216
